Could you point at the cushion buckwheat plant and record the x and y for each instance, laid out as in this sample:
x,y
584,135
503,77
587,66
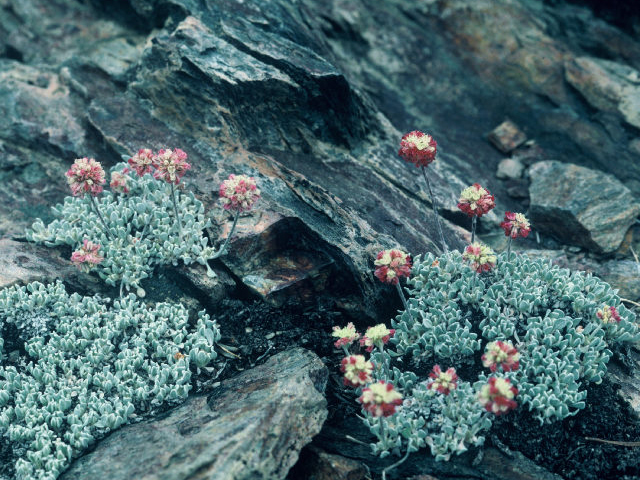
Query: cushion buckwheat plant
x,y
545,332
136,229
88,366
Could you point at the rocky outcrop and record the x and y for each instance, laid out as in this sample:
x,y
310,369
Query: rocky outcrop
x,y
252,426
580,206
608,86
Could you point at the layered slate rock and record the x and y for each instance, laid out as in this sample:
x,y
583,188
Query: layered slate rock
x,y
253,426
609,86
580,206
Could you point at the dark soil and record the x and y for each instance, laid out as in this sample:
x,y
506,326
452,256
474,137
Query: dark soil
x,y
561,447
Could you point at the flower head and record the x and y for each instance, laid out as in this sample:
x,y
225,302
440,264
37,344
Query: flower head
x,y
443,382
142,162
418,148
608,314
170,165
380,399
87,256
85,176
239,193
481,257
502,354
119,181
515,225
357,370
377,336
497,396
475,200
345,335
391,265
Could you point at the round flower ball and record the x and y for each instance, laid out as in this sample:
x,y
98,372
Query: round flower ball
x,y
418,148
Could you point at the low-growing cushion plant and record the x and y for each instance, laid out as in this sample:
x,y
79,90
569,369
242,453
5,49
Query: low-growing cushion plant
x,y
73,368
139,232
508,332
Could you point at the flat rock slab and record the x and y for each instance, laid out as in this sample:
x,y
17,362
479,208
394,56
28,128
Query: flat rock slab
x,y
252,427
580,206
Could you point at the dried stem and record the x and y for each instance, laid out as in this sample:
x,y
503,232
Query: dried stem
x,y
435,210
509,248
613,442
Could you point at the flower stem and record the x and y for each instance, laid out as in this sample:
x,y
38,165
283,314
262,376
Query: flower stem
x,y
509,248
398,463
175,209
226,241
94,204
474,223
383,431
404,300
435,210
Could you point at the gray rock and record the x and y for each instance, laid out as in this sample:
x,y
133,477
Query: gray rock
x,y
253,426
629,385
510,168
507,136
22,263
623,275
606,85
580,206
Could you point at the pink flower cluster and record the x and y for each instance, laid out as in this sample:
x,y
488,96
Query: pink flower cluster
x,y
480,256
142,162
120,181
377,336
608,314
171,165
167,165
380,399
85,176
357,370
418,148
475,200
515,225
497,396
238,193
391,265
345,335
501,354
443,382
87,256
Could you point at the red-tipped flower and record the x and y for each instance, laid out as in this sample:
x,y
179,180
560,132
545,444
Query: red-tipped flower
x,y
443,382
481,257
502,354
142,162
357,371
239,193
391,265
380,399
119,181
475,200
608,314
345,335
85,176
515,225
87,256
377,336
171,165
497,396
418,148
